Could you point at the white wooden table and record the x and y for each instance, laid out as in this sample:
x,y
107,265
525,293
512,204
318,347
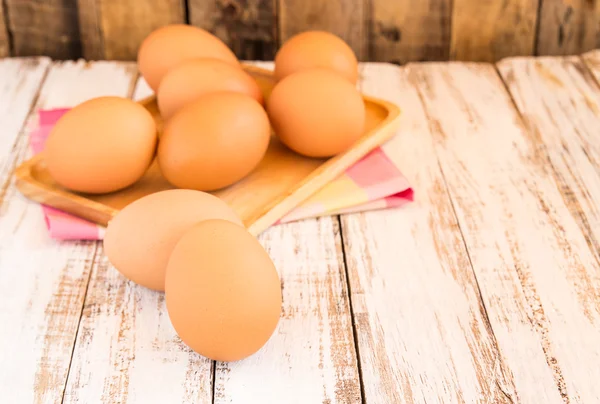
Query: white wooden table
x,y
486,290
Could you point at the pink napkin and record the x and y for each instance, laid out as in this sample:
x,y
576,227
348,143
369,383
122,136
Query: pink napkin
x,y
374,182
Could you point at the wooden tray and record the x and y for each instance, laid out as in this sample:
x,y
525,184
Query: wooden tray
x,y
282,181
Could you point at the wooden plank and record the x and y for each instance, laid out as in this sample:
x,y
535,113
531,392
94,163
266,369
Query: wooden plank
x,y
592,62
343,18
311,357
409,31
127,349
491,30
568,27
114,29
4,38
560,104
537,275
249,28
42,281
423,333
46,28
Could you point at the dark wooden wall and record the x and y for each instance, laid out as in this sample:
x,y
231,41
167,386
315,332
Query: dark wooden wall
x,y
378,30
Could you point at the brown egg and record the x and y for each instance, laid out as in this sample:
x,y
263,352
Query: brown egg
x,y
102,145
214,141
195,78
141,237
313,49
168,46
223,293
316,113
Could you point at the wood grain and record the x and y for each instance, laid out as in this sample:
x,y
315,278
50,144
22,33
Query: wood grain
x,y
537,274
114,29
423,333
592,62
46,28
248,27
20,80
409,31
43,282
127,349
568,27
560,103
4,38
343,18
491,30
311,356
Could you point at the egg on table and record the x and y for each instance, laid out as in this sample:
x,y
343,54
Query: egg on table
x,y
316,49
222,291
214,142
168,46
102,145
197,77
141,237
316,112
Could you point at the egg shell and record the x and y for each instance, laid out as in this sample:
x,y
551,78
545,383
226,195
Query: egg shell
x,y
194,78
141,237
214,141
170,45
316,113
101,145
316,49
223,292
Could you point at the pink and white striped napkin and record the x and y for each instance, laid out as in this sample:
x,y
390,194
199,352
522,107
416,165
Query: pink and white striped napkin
x,y
374,182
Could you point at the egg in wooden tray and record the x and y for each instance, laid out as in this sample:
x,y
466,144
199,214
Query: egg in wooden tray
x,y
222,152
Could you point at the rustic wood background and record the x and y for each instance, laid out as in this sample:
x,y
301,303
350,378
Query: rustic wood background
x,y
397,31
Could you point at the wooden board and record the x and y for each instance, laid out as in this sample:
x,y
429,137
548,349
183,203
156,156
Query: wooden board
x,y
491,30
405,31
281,182
422,330
592,62
107,30
43,282
537,274
346,19
47,28
249,28
568,27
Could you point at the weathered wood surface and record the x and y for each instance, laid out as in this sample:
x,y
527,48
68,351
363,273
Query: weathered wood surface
x,y
43,283
568,27
486,289
592,62
422,330
537,273
397,31
343,18
560,104
249,28
490,30
114,29
47,28
406,31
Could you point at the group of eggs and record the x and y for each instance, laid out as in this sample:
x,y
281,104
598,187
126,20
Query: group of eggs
x,y
217,121
222,290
